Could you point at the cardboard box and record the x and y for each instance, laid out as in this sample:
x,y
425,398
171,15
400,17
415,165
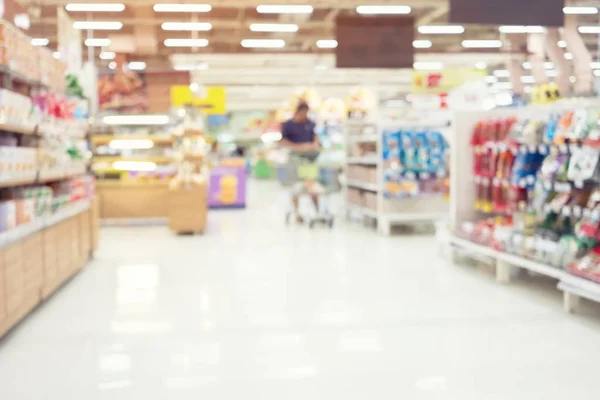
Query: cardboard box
x,y
188,206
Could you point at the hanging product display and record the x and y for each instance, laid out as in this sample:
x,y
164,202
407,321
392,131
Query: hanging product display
x,y
538,180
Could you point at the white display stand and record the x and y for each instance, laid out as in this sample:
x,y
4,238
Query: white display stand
x,y
462,200
386,214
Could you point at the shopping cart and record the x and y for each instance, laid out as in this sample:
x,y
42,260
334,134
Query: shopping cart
x,y
309,184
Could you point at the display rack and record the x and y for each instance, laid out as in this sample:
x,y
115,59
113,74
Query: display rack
x,y
463,197
48,215
373,206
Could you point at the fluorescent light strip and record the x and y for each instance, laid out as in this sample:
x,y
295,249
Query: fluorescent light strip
x,y
428,66
568,56
143,166
422,44
502,73
552,73
186,42
284,9
527,65
527,79
327,43
40,42
503,86
441,29
137,65
112,65
186,26
108,55
491,79
56,55
166,7
381,9
274,27
589,29
133,144
157,119
263,43
481,65
481,44
580,10
97,42
95,7
562,44
98,25
522,29
597,72
595,65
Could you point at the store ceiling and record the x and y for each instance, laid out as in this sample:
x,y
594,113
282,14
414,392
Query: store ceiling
x,y
264,75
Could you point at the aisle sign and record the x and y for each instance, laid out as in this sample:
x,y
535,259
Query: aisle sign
x,y
430,82
210,99
508,12
69,42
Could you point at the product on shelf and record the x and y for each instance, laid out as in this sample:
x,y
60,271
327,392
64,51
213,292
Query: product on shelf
x,y
540,187
414,163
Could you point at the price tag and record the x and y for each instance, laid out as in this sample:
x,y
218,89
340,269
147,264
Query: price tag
x,y
577,211
530,179
564,149
543,149
578,184
587,212
522,183
566,211
532,149
502,146
523,149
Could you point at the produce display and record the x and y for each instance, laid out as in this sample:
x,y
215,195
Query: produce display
x,y
537,185
414,163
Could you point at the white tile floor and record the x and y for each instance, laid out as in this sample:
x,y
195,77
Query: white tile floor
x,y
253,310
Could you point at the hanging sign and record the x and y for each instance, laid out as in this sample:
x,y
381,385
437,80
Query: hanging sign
x,y
69,42
210,99
431,82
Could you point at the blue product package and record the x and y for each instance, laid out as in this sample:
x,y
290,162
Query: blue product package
x,y
391,145
551,128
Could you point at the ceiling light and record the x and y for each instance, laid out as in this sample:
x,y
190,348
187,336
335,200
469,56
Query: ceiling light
x,y
383,9
186,26
98,25
572,79
481,44
502,73
548,65
428,66
108,55
521,29
284,9
263,43
422,44
134,166
98,7
595,65
97,42
56,55
274,27
580,10
562,44
157,119
126,144
39,42
491,79
480,65
503,86
186,42
327,43
527,79
22,21
321,67
527,65
589,29
441,29
271,137
112,65
194,87
191,67
597,72
527,89
552,73
165,7
137,65
568,56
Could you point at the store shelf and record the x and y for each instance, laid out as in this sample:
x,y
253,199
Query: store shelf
x,y
100,140
22,129
50,175
372,187
580,287
130,184
367,160
414,217
20,232
18,182
362,211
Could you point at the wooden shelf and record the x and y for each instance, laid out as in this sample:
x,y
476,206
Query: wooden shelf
x,y
131,184
154,159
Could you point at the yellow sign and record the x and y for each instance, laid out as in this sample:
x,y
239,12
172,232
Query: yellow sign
x,y
210,99
432,82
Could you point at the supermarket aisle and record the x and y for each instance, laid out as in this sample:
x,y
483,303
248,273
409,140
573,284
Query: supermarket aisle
x,y
253,310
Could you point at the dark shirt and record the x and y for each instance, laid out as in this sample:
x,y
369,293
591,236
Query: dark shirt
x,y
298,132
